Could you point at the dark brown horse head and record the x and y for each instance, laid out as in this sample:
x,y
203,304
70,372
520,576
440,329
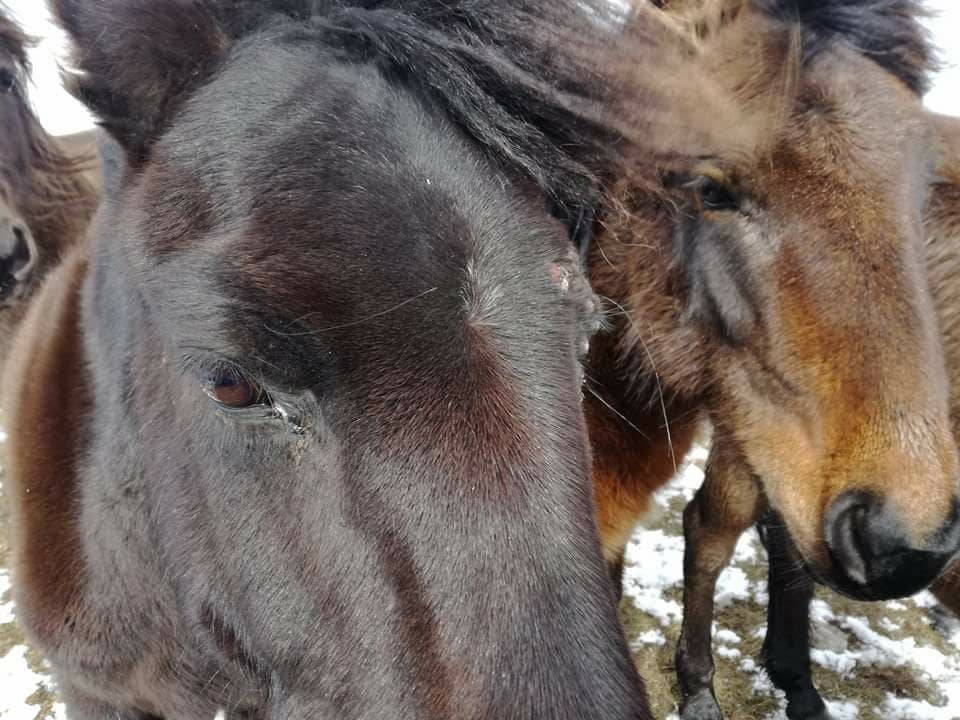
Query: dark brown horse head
x,y
785,277
18,250
333,328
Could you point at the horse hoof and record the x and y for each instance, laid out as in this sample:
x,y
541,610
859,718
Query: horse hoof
x,y
810,707
821,715
702,706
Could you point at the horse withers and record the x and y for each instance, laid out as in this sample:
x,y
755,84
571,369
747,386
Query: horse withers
x,y
298,433
45,202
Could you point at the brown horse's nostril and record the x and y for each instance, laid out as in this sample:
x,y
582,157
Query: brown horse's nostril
x,y
21,259
872,553
17,255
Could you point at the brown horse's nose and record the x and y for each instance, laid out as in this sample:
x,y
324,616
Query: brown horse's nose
x,y
18,254
872,554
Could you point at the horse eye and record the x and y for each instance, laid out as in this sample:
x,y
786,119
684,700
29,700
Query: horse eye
x,y
231,390
8,81
715,196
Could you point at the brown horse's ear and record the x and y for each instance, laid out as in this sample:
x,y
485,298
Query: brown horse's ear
x,y
138,60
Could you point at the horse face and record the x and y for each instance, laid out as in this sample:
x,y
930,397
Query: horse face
x,y
18,251
360,376
782,284
808,264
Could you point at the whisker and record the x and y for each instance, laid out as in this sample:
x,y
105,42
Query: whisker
x,y
612,409
352,323
656,376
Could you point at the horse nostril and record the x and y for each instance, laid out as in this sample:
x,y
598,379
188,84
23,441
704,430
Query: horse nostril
x,y
848,535
18,256
870,547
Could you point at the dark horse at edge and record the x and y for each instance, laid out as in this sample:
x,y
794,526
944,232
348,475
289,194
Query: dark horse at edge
x,y
298,432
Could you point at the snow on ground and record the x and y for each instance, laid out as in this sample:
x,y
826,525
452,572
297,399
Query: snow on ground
x,y
881,661
872,661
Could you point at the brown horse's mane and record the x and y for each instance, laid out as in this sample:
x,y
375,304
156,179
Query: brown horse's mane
x,y
59,199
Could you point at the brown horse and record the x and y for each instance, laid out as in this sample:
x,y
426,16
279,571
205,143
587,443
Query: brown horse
x,y
45,200
298,433
731,498
780,288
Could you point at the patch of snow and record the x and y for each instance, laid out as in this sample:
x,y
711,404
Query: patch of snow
x,y
19,683
651,637
890,626
727,636
903,709
644,580
725,651
843,710
924,600
6,608
747,548
842,663
847,646
732,586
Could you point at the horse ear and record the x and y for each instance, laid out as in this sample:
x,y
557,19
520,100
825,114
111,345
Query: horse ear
x,y
890,32
138,60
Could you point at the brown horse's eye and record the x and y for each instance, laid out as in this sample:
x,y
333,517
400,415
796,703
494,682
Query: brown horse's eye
x,y
8,80
715,196
231,390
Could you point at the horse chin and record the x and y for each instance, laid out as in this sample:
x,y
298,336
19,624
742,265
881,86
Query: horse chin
x,y
837,580
13,291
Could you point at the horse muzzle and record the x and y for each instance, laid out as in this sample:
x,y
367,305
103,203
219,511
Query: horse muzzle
x,y
871,554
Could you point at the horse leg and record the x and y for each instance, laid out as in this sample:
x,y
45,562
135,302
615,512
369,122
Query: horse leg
x,y
615,568
786,648
727,504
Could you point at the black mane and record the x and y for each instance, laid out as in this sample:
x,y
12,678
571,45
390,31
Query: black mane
x,y
520,76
